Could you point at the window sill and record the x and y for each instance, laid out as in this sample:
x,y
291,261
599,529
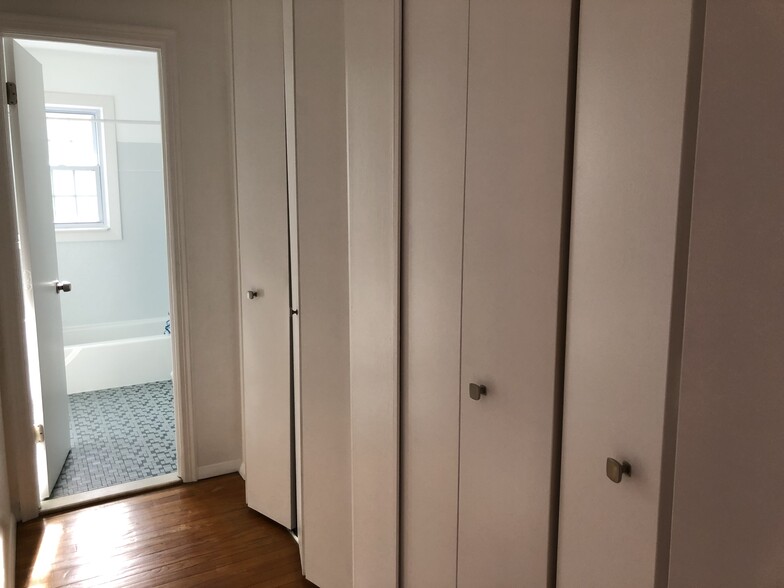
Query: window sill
x,y
83,234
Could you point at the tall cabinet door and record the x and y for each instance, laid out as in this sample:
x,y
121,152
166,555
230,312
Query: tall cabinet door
x,y
516,165
262,201
633,105
435,68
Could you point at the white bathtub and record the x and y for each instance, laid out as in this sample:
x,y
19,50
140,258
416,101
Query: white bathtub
x,y
116,354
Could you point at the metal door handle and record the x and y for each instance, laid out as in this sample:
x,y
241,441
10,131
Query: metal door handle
x,y
62,286
252,294
476,391
617,469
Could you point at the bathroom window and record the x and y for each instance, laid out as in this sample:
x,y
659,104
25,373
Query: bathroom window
x,y
83,167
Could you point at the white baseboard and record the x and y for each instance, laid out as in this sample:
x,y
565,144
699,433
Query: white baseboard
x,y
218,469
242,470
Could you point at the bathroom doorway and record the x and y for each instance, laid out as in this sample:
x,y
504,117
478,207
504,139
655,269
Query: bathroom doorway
x,y
91,210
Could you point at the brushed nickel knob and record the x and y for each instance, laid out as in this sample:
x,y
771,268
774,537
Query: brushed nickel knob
x,y
252,294
617,469
476,391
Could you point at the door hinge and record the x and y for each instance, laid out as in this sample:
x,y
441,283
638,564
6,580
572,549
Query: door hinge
x,y
10,93
39,433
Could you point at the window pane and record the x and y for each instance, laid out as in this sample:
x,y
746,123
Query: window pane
x,y
87,208
65,209
86,182
72,139
62,182
74,135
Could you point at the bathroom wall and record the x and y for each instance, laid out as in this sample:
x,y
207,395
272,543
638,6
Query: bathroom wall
x,y
125,280
117,280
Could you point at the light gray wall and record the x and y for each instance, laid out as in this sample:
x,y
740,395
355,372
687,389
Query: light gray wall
x,y
117,280
727,525
204,120
125,279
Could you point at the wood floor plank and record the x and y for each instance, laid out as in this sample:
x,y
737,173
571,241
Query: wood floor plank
x,y
198,534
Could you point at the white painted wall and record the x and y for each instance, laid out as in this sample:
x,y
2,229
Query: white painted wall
x,y
207,179
729,479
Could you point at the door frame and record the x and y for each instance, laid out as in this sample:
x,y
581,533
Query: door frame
x,y
14,383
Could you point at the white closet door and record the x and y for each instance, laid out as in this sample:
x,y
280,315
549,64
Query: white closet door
x,y
518,84
264,256
631,98
435,53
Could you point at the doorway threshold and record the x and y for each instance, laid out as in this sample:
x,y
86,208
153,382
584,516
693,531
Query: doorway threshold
x,y
81,499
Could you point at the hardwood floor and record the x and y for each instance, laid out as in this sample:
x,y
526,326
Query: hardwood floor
x,y
198,534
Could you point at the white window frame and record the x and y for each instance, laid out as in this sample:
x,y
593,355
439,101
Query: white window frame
x,y
112,229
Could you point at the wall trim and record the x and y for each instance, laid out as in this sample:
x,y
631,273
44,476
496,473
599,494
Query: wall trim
x,y
162,41
220,468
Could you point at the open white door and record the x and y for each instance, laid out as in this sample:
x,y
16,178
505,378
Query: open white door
x,y
262,201
39,252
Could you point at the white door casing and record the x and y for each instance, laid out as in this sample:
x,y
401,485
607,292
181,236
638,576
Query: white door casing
x,y
16,396
39,252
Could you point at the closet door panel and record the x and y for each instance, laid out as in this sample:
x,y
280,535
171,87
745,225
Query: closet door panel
x,y
435,68
518,85
631,98
262,202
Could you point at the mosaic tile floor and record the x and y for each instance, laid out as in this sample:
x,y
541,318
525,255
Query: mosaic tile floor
x,y
119,435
